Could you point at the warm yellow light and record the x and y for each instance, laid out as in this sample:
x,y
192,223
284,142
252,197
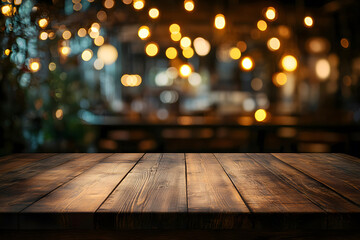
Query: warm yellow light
x,y
66,35
107,53
152,49
77,7
144,32
202,46
94,33
279,79
65,50
247,63
127,2
51,35
131,80
185,42
185,70
59,114
7,52
52,66
34,65
154,13
81,32
109,4
43,22
261,25
270,13
6,10
175,36
289,63
17,2
95,27
98,64
260,115
242,46
174,28
322,69
273,44
171,53
189,5
344,42
99,41
235,53
219,22
308,21
101,15
43,35
138,4
188,52
87,55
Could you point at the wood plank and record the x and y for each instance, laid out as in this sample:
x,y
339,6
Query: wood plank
x,y
274,203
210,190
341,176
153,195
34,168
21,160
84,194
16,197
342,214
346,157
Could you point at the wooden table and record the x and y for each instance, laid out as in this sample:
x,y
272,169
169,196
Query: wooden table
x,y
154,196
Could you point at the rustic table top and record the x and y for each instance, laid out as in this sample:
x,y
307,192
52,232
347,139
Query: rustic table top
x,y
179,191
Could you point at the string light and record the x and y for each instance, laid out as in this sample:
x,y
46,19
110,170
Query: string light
x,y
65,50
344,42
108,54
66,35
289,63
43,35
219,22
235,53
131,80
260,115
99,41
154,13
261,25
174,28
270,13
98,64
109,4
138,4
52,66
308,21
87,55
34,65
189,5
185,42
247,64
171,53
175,37
273,44
81,32
144,32
202,46
185,70
188,52
279,79
322,69
7,10
43,22
7,52
152,49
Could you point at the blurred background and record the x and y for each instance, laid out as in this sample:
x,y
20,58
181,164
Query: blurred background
x,y
176,76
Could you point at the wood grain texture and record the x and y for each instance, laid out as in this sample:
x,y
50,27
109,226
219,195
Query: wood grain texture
x,y
210,190
341,176
343,157
33,168
153,195
11,163
262,190
324,197
83,194
17,197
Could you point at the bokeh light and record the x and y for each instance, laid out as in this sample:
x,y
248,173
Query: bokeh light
x,y
99,41
87,55
235,53
188,52
322,69
138,4
34,65
185,70
261,25
189,5
260,115
82,32
247,64
308,21
289,63
108,54
171,53
344,42
279,79
185,42
154,13
270,13
219,21
202,46
99,64
273,44
144,32
66,34
152,49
